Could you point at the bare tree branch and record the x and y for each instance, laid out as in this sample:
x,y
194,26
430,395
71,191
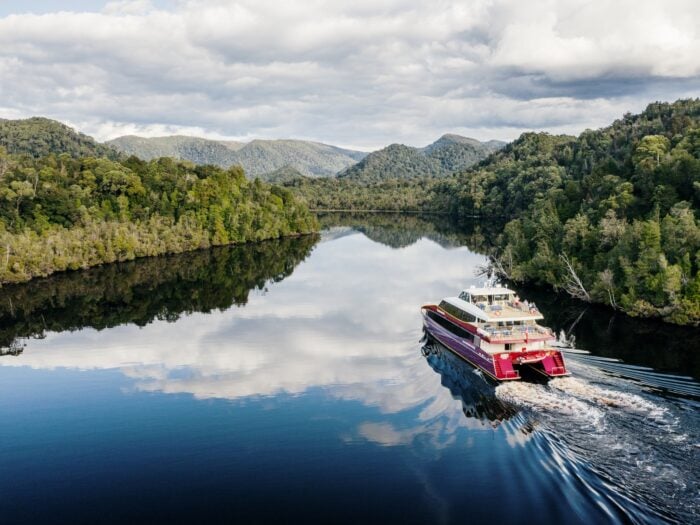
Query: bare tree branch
x,y
608,279
572,283
498,266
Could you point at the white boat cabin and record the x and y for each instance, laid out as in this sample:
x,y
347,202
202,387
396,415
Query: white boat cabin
x,y
499,315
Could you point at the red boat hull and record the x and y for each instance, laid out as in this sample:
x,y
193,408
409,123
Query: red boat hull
x,y
501,366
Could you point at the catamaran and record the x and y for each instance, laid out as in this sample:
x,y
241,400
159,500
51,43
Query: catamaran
x,y
495,331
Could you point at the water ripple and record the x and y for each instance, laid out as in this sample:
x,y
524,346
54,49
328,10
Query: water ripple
x,y
642,446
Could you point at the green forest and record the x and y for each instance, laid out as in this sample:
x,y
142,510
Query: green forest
x,y
610,216
60,212
334,193
39,137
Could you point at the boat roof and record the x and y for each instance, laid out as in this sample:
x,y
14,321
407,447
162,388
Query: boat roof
x,y
505,314
460,303
496,290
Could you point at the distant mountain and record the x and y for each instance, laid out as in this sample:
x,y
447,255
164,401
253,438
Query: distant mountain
x,y
394,162
450,139
39,136
448,154
258,157
199,151
272,160
310,158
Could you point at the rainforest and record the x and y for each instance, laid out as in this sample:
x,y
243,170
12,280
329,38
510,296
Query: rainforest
x,y
59,212
610,216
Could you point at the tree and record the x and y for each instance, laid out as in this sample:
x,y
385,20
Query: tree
x,y
650,150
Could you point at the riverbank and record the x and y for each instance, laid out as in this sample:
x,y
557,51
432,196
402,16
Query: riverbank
x,y
63,214
30,256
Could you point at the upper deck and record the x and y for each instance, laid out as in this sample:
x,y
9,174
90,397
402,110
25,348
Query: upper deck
x,y
497,314
496,304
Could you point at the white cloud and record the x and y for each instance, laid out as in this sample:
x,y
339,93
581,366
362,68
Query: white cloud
x,y
355,73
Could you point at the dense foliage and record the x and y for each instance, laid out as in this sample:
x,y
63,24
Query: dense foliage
x,y
59,212
38,137
282,175
338,193
610,216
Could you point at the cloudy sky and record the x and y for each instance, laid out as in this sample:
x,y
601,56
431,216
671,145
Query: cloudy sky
x,y
357,73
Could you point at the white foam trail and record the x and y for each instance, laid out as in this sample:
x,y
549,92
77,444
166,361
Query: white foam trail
x,y
606,397
541,398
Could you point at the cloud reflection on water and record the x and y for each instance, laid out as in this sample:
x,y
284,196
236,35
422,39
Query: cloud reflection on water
x,y
346,321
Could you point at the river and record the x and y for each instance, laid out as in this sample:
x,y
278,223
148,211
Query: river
x,y
288,381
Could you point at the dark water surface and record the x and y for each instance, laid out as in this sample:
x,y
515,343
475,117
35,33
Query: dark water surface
x,y
285,382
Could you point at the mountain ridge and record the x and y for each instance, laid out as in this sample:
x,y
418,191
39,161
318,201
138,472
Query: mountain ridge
x,y
447,155
39,136
257,157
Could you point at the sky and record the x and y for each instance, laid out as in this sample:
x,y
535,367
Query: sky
x,y
357,73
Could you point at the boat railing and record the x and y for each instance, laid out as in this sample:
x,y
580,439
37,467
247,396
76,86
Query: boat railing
x,y
510,374
525,307
504,333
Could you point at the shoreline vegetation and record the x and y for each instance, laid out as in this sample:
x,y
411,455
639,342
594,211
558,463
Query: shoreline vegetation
x,y
62,213
610,216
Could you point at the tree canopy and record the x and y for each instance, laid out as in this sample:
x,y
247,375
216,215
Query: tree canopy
x,y
617,207
58,212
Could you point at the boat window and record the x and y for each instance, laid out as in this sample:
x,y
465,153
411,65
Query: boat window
x,y
445,323
464,296
457,312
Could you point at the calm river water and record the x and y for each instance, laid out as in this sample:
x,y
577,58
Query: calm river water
x,y
285,382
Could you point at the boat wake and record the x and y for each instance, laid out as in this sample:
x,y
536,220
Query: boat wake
x,y
608,398
539,397
637,442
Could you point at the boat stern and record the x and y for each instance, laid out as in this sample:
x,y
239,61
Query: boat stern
x,y
548,362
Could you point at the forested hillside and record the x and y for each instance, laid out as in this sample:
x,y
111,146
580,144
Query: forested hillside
x,y
59,212
257,157
396,178
38,137
338,193
310,158
610,216
440,159
282,175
